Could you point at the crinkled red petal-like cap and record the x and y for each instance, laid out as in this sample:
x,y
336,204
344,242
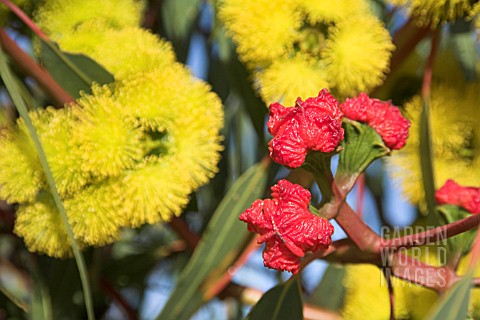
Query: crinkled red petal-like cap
x,y
383,117
455,194
287,227
311,125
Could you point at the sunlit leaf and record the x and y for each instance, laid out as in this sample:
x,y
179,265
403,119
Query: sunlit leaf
x,y
281,302
454,304
329,293
221,243
74,72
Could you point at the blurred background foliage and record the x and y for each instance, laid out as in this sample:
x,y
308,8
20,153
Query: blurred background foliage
x,y
155,267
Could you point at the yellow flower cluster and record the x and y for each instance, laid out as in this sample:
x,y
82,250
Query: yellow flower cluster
x,y
296,47
435,12
455,140
367,297
128,154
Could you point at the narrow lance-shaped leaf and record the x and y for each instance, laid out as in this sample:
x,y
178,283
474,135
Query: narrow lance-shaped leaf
x,y
74,72
426,157
454,304
281,302
330,293
222,242
14,92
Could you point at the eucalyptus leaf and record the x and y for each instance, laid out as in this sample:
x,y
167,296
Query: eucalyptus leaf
x,y
361,146
15,285
41,301
74,72
329,294
464,46
222,242
462,242
179,18
426,157
283,302
454,304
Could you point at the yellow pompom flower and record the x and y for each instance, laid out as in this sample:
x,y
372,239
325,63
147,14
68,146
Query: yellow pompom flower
x,y
276,83
263,30
108,141
41,227
21,175
155,191
357,55
340,41
59,17
141,50
54,128
435,12
333,10
127,154
169,103
367,296
456,153
96,213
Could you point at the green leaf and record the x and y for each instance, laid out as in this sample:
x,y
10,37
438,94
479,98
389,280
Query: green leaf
x,y
453,305
462,242
17,99
222,242
74,72
41,301
361,146
462,36
329,293
281,302
179,18
15,285
426,157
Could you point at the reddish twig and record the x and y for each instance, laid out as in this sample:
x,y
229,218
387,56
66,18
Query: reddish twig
x,y
182,229
427,76
225,279
357,230
31,68
405,40
25,18
107,287
412,270
430,236
360,193
391,295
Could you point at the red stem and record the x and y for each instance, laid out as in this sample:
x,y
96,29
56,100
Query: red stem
x,y
405,40
182,229
360,193
26,19
410,269
360,233
391,295
225,279
431,236
427,76
30,67
106,287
